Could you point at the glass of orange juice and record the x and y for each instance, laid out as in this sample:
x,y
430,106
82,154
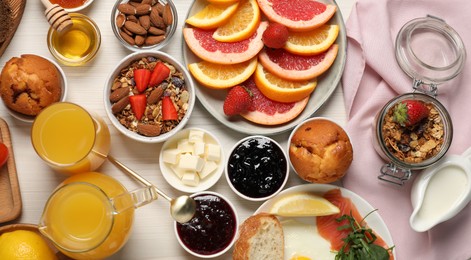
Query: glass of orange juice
x,y
90,215
70,139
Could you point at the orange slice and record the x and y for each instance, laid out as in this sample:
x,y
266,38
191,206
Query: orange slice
x,y
219,77
212,16
281,90
242,24
312,42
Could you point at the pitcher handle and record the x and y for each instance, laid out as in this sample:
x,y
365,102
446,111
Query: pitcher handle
x,y
133,199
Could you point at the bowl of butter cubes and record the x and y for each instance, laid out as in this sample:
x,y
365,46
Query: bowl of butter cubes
x,y
192,160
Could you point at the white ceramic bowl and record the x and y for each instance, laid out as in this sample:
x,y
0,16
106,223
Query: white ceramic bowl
x,y
170,30
278,163
79,8
126,62
172,178
222,227
30,119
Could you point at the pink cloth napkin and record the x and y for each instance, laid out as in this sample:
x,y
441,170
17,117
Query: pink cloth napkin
x,y
371,78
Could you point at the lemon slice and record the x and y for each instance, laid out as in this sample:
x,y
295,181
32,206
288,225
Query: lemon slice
x,y
303,205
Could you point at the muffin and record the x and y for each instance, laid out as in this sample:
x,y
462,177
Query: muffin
x,y
29,83
320,151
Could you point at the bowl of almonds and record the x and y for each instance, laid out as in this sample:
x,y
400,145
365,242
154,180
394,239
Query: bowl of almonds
x,y
149,96
144,24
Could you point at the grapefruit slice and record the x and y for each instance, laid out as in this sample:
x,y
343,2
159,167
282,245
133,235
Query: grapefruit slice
x,y
281,90
203,45
297,67
265,111
298,15
219,77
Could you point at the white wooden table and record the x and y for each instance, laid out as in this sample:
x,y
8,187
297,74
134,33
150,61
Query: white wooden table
x,y
152,236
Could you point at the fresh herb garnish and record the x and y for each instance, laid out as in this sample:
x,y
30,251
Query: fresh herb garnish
x,y
359,242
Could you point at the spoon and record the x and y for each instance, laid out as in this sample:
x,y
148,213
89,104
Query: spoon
x,y
57,16
182,208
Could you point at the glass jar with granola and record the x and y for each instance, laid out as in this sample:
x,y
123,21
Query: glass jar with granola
x,y
414,130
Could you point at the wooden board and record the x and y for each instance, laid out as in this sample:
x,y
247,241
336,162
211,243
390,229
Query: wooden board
x,y
14,9
10,196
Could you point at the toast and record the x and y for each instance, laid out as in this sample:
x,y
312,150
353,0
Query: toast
x,y
260,237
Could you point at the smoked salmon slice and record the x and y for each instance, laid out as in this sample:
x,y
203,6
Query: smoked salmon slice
x,y
327,225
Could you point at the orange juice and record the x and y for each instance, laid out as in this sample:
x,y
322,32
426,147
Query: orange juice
x,y
80,219
69,139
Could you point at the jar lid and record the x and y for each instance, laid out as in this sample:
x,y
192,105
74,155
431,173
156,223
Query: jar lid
x,y
429,50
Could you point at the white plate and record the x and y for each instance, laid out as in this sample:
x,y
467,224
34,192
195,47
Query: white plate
x,y
213,100
374,220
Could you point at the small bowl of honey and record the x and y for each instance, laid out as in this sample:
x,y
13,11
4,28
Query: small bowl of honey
x,y
76,45
72,5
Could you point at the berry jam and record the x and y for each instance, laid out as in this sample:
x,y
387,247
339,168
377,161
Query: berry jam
x,y
257,167
212,228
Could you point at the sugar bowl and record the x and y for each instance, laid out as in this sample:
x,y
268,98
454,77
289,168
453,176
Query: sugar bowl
x,y
414,130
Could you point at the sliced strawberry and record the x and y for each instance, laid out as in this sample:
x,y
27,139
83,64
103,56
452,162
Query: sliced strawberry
x,y
142,78
138,105
159,73
168,109
237,101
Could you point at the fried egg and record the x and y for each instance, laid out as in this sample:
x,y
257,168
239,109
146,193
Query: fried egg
x,y
303,242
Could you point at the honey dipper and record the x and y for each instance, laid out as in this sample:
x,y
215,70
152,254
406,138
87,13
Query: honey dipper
x,y
57,16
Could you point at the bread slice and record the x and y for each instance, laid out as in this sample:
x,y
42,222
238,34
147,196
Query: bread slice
x,y
260,237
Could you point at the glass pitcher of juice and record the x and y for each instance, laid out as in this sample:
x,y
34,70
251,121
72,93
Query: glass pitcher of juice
x,y
90,215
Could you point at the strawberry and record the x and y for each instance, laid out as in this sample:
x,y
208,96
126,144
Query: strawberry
x,y
410,112
142,78
168,109
237,100
159,73
138,105
275,36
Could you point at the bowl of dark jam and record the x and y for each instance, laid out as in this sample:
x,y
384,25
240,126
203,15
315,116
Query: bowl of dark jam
x,y
257,168
213,229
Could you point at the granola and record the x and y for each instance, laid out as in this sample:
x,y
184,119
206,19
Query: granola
x,y
151,124
416,143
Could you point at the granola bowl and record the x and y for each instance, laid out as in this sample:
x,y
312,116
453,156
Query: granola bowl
x,y
413,147
144,105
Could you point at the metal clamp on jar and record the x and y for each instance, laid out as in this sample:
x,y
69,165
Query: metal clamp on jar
x,y
414,130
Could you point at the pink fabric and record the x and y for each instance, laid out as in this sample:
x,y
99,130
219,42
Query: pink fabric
x,y
371,78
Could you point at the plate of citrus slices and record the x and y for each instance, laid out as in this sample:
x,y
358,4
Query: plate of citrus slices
x,y
309,213
288,57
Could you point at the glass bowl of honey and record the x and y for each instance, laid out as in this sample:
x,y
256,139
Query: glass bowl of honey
x,y
77,45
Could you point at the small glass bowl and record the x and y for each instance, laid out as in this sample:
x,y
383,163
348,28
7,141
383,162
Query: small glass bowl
x,y
380,142
77,45
79,8
170,30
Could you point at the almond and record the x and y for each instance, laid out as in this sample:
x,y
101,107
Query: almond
x,y
120,19
160,7
127,9
149,2
155,31
120,105
152,40
132,18
155,95
139,40
118,94
126,37
135,28
167,15
143,9
148,130
156,19
144,21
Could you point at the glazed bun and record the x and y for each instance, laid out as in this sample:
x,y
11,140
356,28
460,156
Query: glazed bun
x,y
320,151
29,83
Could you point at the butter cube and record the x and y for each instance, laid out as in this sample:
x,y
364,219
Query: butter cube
x,y
199,148
190,179
178,172
190,162
184,146
195,136
213,152
209,167
171,156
